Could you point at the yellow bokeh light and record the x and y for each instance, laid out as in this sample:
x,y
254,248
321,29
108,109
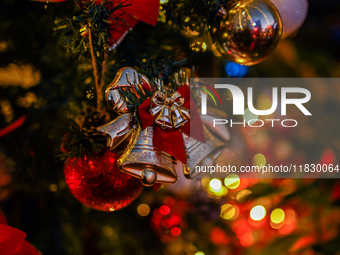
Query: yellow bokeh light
x,y
277,216
243,195
199,253
143,209
24,75
218,193
277,226
216,189
215,184
53,187
228,211
265,104
163,1
259,160
257,213
232,181
205,182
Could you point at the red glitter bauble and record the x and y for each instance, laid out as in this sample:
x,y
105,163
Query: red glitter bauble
x,y
99,184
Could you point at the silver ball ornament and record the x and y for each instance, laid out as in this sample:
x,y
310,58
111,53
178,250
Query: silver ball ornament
x,y
148,177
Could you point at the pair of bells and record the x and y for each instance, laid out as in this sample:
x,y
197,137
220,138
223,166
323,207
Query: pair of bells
x,y
141,159
168,111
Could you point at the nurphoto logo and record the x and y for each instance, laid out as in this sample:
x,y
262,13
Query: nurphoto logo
x,y
239,103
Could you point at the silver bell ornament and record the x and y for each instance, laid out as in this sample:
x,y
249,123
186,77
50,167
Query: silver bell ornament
x,y
147,162
125,78
201,153
122,127
247,31
206,154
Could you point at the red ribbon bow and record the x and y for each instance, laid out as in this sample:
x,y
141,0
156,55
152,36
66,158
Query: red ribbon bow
x,y
171,140
138,10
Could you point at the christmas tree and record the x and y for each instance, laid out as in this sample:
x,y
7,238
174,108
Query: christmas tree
x,y
94,103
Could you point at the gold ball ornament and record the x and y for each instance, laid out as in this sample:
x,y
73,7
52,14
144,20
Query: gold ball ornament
x,y
246,32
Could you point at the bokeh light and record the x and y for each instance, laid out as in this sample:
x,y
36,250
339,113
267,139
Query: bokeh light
x,y
164,210
248,130
248,115
199,253
24,75
216,189
175,231
290,223
236,70
243,195
259,160
246,239
53,187
218,236
257,213
232,181
143,209
265,103
277,216
229,212
283,149
215,184
205,182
